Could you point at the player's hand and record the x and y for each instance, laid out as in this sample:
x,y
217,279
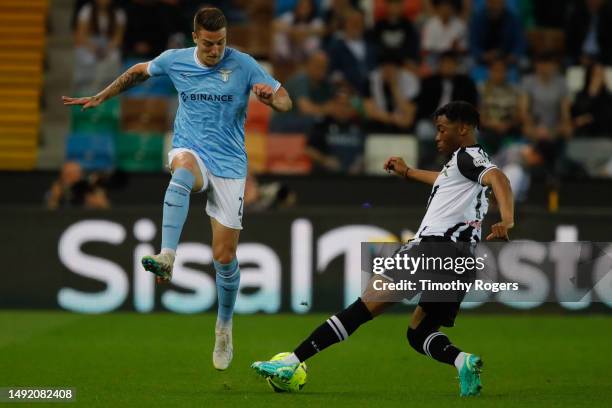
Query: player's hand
x,y
86,102
264,93
500,231
396,165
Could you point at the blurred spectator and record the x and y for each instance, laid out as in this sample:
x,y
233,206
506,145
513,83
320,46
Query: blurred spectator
x,y
311,92
550,13
98,40
411,9
396,35
545,103
463,8
260,197
592,108
544,108
90,195
146,35
499,113
336,144
334,15
60,194
173,24
443,31
352,55
495,32
437,90
234,10
589,32
545,112
72,189
388,98
297,33
517,7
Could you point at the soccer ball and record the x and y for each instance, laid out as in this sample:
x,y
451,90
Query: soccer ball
x,y
295,383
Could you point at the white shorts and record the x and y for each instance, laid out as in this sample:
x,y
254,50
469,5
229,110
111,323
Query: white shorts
x,y
225,195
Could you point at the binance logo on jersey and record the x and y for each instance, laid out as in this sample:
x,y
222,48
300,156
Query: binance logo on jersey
x,y
203,97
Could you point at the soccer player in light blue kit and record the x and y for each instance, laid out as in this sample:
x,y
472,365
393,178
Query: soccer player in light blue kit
x,y
214,83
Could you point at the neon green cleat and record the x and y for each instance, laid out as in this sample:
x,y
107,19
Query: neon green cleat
x,y
161,265
469,376
275,369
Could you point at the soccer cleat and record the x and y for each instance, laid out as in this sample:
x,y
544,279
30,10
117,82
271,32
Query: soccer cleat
x,y
469,376
275,369
224,351
161,265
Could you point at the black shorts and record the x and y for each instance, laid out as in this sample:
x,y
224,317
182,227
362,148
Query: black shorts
x,y
444,291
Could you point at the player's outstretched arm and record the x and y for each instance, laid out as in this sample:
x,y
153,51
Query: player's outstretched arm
x,y
279,100
133,76
398,166
503,194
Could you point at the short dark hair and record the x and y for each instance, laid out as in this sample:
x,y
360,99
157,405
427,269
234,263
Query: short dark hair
x,y
459,111
209,19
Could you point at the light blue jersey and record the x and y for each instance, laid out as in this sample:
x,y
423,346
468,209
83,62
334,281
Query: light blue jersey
x,y
212,105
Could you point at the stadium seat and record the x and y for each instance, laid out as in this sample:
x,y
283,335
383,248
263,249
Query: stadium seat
x,y
22,47
379,147
144,115
256,144
258,116
140,151
94,151
286,154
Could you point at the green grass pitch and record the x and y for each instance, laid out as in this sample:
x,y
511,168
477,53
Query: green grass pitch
x,y
164,360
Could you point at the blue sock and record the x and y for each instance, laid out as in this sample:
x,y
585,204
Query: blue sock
x,y
228,282
176,207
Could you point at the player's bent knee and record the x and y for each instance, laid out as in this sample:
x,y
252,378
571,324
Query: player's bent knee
x,y
188,162
224,253
224,259
184,160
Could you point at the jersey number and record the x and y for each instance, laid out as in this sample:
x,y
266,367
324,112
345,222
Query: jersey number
x,y
240,208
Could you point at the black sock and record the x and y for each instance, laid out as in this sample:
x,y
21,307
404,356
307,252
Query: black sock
x,y
433,343
439,347
337,328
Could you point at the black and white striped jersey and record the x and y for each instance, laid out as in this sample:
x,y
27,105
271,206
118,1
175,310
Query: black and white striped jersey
x,y
458,201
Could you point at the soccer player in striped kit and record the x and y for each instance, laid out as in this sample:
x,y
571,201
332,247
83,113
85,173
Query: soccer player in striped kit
x,y
455,210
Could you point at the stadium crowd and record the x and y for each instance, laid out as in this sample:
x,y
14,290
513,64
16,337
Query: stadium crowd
x,y
537,70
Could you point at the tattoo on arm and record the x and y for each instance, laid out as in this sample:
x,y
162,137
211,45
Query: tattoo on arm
x,y
125,81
